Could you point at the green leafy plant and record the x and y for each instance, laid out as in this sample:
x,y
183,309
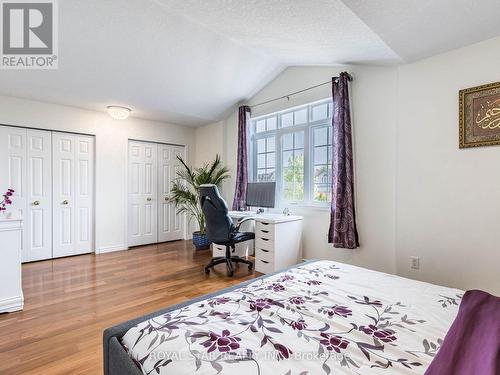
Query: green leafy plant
x,y
184,191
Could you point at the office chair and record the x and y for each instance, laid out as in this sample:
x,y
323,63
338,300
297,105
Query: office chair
x,y
220,228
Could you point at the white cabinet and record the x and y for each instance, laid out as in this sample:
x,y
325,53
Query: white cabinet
x,y
52,174
11,293
277,242
152,169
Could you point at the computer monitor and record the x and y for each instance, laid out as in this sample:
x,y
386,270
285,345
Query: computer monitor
x,y
261,194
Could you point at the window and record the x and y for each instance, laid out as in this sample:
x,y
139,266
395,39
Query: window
x,y
294,148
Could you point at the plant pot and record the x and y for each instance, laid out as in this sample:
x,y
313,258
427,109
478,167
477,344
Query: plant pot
x,y
201,241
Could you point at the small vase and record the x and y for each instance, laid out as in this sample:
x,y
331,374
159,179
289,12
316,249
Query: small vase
x,y
201,241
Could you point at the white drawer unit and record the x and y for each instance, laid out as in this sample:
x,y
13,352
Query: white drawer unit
x,y
277,242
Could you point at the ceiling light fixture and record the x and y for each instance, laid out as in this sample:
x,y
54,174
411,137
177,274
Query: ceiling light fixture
x,y
118,113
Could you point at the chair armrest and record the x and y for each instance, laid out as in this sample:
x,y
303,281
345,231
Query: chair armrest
x,y
241,221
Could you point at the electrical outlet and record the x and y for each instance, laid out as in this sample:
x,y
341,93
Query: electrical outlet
x,y
415,263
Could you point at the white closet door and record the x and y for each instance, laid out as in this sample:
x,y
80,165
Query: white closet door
x,y
38,220
13,169
142,202
84,192
73,194
170,224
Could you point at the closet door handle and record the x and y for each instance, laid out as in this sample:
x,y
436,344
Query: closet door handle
x,y
148,199
65,202
36,203
166,199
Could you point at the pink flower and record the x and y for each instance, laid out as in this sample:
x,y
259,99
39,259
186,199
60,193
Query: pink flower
x,y
223,343
332,342
338,310
385,335
261,304
298,325
283,351
276,287
297,300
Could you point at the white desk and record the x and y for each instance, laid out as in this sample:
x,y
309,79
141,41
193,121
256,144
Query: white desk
x,y
278,240
11,293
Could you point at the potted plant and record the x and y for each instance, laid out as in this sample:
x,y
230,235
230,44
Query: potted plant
x,y
184,193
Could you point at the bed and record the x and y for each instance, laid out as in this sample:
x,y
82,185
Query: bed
x,y
319,317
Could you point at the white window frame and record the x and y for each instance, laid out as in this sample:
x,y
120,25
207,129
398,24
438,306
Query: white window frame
x,y
278,133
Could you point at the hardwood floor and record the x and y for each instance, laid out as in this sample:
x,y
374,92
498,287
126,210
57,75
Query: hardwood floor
x,y
70,301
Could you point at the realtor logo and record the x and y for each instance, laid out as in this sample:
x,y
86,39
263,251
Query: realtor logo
x,y
29,34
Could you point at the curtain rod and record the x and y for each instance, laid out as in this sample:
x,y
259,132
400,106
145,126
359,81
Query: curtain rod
x,y
349,77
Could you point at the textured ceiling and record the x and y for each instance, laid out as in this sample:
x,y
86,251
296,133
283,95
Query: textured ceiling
x,y
294,32
190,61
416,29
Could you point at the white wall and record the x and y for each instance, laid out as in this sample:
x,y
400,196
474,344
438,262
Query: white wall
x,y
448,201
209,142
111,153
375,155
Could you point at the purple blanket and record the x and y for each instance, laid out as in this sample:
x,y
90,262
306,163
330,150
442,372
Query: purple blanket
x,y
472,345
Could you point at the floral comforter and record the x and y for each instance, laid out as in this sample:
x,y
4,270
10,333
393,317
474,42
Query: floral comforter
x,y
320,318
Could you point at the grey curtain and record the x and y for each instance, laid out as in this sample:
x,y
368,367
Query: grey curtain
x,y
240,192
343,232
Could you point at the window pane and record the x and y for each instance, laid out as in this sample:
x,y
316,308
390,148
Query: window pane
x,y
299,140
330,109
261,175
321,174
300,116
271,123
260,126
270,175
321,155
288,141
322,192
287,158
320,136
261,145
286,119
298,156
265,175
261,161
320,112
293,169
271,144
322,183
270,160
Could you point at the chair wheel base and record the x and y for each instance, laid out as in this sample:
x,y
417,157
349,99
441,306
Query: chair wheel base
x,y
229,261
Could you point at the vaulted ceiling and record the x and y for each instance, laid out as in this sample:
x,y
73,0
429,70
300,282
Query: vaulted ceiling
x,y
190,61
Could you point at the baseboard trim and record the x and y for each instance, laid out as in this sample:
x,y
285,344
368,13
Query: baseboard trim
x,y
110,249
12,304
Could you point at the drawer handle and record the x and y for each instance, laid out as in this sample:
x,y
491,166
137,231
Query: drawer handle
x,y
264,239
266,251
263,261
265,231
264,223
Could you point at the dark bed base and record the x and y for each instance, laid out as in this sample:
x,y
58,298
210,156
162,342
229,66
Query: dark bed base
x,y
116,359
